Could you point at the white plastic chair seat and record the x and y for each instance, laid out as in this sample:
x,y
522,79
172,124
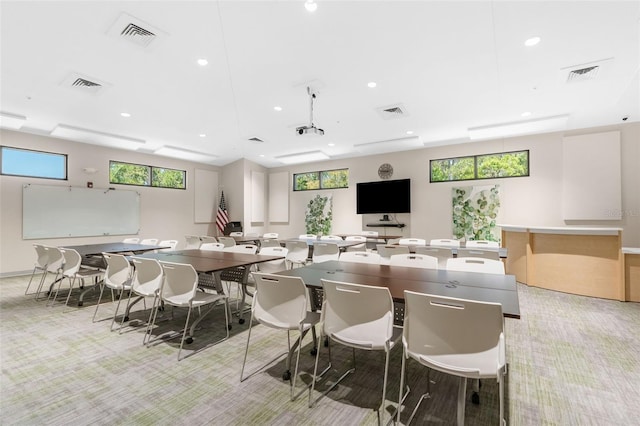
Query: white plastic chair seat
x,y
171,244
270,235
200,298
73,270
366,335
227,241
298,252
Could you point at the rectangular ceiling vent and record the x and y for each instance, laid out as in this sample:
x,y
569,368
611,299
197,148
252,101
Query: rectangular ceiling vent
x,y
83,83
392,112
582,74
585,72
134,30
255,139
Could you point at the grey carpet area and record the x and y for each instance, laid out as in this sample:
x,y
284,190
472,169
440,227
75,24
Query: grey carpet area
x,y
572,360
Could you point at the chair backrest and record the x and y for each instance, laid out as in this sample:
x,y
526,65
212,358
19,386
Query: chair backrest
x,y
147,276
414,261
298,251
193,242
270,235
485,254
370,233
242,248
236,234
55,259
279,301
207,239
475,264
131,240
360,257
270,243
442,253
118,270
273,265
482,244
386,251
323,252
149,241
307,237
180,282
444,243
412,241
212,246
358,247
227,241
330,238
172,244
42,256
357,315
72,261
444,325
356,238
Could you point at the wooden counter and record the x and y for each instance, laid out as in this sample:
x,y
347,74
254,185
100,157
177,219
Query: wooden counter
x,y
631,270
585,261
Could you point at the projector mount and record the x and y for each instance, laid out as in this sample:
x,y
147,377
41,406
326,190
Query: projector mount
x,y
311,129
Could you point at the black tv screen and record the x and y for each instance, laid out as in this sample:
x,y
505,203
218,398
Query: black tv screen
x,y
385,196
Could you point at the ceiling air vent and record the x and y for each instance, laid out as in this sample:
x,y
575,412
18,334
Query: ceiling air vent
x,y
254,139
134,30
585,72
83,83
582,74
138,35
392,112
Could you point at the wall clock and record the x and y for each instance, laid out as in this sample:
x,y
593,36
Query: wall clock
x,y
385,171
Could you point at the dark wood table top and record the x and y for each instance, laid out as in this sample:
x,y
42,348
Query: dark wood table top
x,y
210,261
372,237
118,247
464,285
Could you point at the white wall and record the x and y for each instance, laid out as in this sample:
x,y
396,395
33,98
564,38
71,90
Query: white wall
x,y
165,213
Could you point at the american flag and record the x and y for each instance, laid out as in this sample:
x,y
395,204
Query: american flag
x,y
222,218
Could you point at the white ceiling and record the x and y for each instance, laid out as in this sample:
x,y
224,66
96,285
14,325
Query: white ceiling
x,y
451,65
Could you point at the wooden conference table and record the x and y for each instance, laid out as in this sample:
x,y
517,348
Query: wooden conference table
x,y
465,285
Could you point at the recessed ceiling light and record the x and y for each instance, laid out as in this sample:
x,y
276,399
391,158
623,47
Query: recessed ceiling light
x,y
525,114
311,5
125,114
202,62
203,135
372,84
409,132
277,108
532,41
331,144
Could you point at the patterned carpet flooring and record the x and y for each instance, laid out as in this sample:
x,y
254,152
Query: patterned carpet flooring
x,y
572,360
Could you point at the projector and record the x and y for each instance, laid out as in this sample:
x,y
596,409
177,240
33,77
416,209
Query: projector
x,y
310,130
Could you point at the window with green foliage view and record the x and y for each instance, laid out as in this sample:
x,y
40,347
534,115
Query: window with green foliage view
x,y
141,175
487,166
326,179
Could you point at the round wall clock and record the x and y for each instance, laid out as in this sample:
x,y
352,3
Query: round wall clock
x,y
385,171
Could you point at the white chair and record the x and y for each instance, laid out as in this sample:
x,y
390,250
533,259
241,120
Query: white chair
x,y
359,247
146,282
359,317
273,266
360,257
442,253
131,240
193,242
236,234
386,251
204,239
242,248
412,242
308,237
330,238
180,289
298,252
270,243
149,241
55,262
281,303
212,246
73,270
270,235
444,243
482,244
323,252
454,336
117,277
170,244
475,264
39,265
414,261
370,234
227,241
485,254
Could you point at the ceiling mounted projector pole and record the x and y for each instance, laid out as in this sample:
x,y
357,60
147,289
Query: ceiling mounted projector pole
x,y
311,129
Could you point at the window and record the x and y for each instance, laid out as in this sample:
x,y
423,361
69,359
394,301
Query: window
x,y
488,166
326,179
39,164
141,175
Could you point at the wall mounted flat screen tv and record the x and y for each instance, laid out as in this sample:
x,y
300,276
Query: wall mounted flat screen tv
x,y
385,196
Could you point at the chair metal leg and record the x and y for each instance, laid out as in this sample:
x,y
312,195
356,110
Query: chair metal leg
x,y
71,284
115,314
35,269
337,382
184,333
152,320
98,304
462,393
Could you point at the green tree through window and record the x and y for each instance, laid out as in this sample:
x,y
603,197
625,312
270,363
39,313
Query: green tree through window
x,y
326,179
489,166
141,175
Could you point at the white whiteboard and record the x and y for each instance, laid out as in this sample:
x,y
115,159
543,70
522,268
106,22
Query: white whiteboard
x,y
65,211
